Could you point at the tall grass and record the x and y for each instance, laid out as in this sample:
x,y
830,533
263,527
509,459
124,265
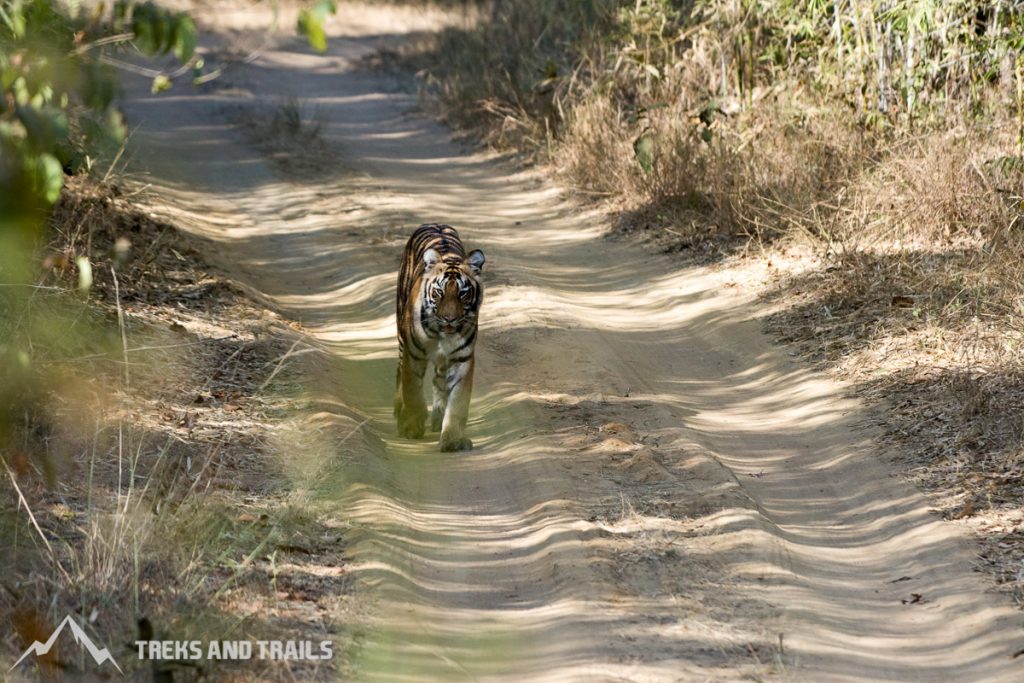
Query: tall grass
x,y
504,76
895,60
724,114
891,60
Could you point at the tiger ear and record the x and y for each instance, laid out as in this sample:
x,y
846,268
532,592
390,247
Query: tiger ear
x,y
476,261
430,257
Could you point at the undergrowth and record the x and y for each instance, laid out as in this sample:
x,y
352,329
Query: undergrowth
x,y
142,495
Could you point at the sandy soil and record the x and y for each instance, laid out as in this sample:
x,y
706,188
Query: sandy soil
x,y
657,492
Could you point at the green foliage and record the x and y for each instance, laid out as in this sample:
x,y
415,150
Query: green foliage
x,y
648,35
890,59
311,23
57,117
157,30
643,149
57,89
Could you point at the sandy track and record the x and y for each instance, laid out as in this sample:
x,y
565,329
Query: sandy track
x,y
657,492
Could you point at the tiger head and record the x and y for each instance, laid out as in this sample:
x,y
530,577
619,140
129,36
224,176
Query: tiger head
x,y
451,291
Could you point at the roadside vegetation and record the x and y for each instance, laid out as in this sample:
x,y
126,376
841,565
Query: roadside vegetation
x,y
867,156
141,395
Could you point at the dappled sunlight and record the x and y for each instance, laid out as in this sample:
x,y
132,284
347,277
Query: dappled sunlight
x,y
612,311
465,588
653,489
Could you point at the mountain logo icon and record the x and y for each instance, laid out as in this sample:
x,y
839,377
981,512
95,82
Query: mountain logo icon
x,y
99,655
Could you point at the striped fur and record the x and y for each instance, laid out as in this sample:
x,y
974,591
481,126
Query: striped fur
x,y
439,299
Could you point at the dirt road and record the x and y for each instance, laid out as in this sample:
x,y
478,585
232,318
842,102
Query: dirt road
x,y
657,492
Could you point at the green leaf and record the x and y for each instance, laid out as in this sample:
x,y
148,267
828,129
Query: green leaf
x,y
120,15
103,129
98,85
709,111
313,28
113,125
185,37
311,24
161,83
643,149
158,31
48,177
161,32
323,8
14,17
142,27
46,127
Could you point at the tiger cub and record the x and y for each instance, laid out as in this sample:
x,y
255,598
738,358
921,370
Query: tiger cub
x,y
439,299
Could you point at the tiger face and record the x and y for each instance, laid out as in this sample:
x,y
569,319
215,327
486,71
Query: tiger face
x,y
451,292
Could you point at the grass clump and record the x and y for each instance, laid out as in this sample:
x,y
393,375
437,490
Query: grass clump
x,y
290,134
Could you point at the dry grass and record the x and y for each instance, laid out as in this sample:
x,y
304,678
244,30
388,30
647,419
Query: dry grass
x,y
289,133
917,299
497,74
756,175
147,462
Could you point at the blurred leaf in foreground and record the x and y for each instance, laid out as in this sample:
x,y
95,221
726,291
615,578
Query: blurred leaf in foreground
x,y
311,23
643,149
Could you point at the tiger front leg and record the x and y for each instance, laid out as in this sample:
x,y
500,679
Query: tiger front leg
x,y
453,426
410,408
440,395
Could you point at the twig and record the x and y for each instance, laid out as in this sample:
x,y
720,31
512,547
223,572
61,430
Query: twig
x,y
352,432
177,346
25,284
32,517
117,157
100,42
145,71
280,364
120,324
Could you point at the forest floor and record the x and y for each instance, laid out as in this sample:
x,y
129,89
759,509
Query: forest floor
x,y
159,474
658,492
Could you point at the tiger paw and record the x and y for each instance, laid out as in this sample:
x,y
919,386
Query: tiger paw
x,y
411,425
449,444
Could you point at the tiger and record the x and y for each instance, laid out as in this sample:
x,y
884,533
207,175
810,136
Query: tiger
x,y
439,296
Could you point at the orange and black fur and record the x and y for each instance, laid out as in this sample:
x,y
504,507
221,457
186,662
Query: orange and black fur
x,y
439,297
